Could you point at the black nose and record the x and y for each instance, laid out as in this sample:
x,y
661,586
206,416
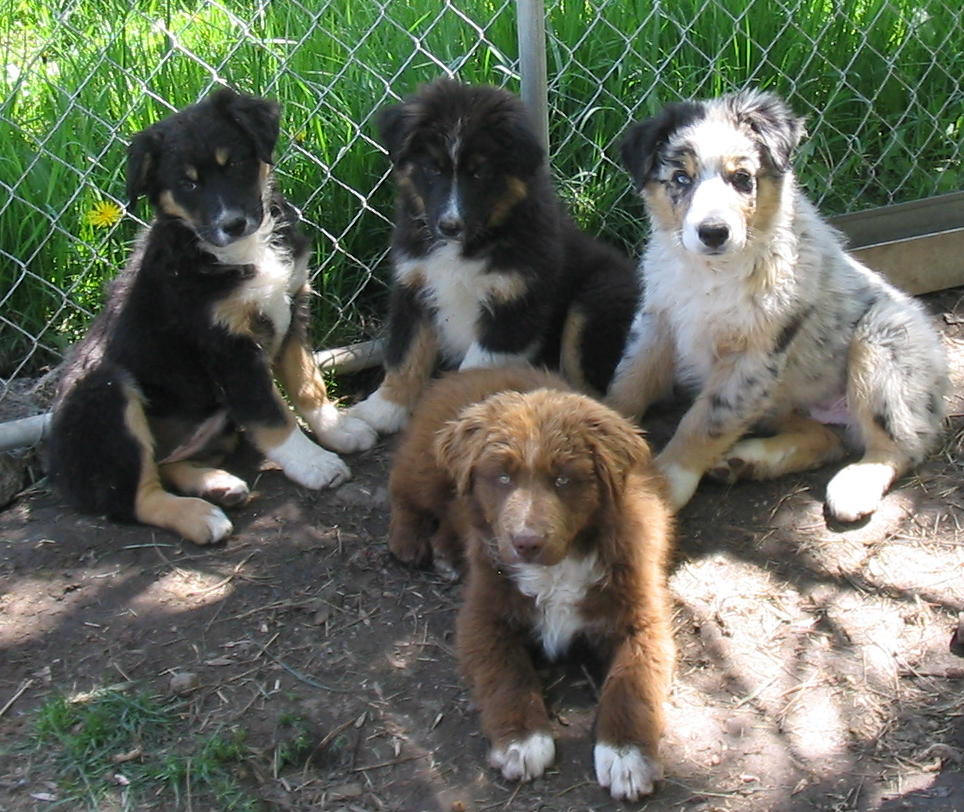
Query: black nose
x,y
713,234
235,226
451,226
527,545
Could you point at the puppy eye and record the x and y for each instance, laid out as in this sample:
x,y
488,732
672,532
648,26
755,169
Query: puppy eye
x,y
561,481
680,178
188,185
504,479
432,169
742,180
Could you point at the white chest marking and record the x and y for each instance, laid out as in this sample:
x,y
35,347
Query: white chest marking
x,y
276,279
457,289
558,590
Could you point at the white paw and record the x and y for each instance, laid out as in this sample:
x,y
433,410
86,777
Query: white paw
x,y
224,488
625,771
857,489
308,464
385,416
477,358
681,483
341,432
526,759
218,525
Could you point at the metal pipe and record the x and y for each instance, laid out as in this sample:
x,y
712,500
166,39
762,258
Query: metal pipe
x,y
354,358
531,25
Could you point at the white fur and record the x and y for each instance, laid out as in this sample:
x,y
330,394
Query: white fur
x,y
713,201
340,431
226,484
681,483
219,526
626,772
278,277
477,358
857,489
525,759
308,464
456,288
381,414
558,591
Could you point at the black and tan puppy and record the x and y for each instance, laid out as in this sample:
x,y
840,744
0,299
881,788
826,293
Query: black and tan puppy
x,y
488,268
210,308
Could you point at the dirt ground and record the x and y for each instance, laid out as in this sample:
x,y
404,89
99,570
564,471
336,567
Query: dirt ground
x,y
814,670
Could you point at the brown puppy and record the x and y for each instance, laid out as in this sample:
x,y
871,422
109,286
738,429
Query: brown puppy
x,y
425,513
566,532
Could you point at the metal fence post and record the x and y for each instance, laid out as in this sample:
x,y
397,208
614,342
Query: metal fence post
x,y
531,24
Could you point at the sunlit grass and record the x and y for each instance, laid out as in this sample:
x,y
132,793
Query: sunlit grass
x,y
885,74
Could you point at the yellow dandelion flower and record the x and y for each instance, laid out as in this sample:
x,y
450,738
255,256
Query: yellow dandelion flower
x,y
300,136
104,214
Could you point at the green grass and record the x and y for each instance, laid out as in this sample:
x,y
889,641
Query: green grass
x,y
81,739
74,89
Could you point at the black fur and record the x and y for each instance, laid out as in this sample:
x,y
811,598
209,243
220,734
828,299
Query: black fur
x,y
525,234
643,141
777,129
156,336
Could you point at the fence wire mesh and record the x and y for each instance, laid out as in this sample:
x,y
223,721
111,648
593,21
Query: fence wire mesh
x,y
880,82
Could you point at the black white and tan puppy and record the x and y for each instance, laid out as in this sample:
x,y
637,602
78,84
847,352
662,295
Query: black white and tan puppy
x,y
751,300
488,268
554,500
210,308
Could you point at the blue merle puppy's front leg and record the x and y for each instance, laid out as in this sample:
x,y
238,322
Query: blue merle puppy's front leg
x,y
411,353
510,330
737,394
242,372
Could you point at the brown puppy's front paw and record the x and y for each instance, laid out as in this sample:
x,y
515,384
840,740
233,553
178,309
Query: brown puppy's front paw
x,y
524,759
409,548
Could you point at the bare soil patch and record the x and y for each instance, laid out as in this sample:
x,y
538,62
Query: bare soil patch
x,y
814,669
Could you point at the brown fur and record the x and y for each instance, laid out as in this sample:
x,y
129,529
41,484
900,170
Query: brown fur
x,y
422,522
538,476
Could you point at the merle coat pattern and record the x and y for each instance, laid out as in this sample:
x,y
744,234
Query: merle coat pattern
x,y
751,301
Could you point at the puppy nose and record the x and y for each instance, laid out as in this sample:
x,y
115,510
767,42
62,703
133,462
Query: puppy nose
x,y
527,545
234,226
451,226
713,233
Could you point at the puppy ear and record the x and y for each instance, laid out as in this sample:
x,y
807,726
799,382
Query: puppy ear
x,y
459,443
259,118
617,446
396,125
779,131
641,144
142,155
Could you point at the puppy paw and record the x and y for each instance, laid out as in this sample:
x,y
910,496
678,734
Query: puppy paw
x,y
524,759
339,431
202,522
308,464
408,547
857,489
224,488
385,416
625,771
681,482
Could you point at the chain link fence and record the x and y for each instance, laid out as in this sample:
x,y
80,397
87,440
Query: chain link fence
x,y
880,82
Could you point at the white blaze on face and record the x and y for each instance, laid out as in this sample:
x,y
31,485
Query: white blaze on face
x,y
714,202
453,208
